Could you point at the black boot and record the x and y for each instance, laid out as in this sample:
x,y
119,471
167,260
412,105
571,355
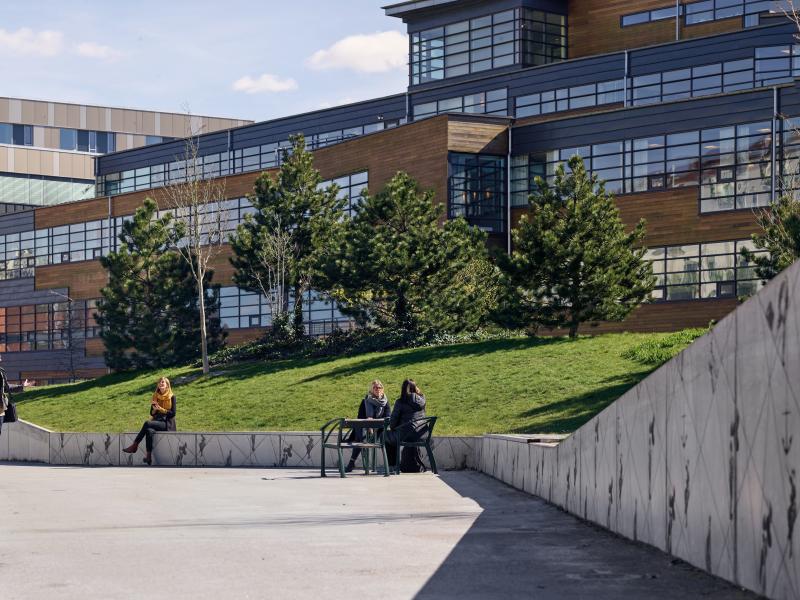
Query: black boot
x,y
350,466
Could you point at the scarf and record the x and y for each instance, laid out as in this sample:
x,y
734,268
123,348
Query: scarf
x,y
164,400
375,406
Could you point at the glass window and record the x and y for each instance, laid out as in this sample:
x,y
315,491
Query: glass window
x,y
476,190
69,139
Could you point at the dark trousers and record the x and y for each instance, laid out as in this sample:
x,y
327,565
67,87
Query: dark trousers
x,y
147,431
1,425
358,436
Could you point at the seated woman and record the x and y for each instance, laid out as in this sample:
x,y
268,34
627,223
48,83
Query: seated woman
x,y
409,408
375,405
162,418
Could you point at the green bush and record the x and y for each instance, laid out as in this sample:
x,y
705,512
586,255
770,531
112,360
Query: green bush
x,y
657,351
350,343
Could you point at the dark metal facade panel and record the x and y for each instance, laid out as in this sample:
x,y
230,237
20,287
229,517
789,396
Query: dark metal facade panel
x,y
16,222
700,51
530,80
363,113
609,67
644,121
460,11
16,363
341,117
158,153
16,292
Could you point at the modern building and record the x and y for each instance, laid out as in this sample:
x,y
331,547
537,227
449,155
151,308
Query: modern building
x,y
683,108
47,149
47,153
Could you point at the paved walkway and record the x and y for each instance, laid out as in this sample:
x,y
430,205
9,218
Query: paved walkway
x,y
236,533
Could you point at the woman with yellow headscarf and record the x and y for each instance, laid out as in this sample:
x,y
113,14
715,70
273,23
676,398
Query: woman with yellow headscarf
x,y
162,418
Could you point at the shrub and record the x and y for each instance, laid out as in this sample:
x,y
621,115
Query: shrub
x,y
657,351
350,343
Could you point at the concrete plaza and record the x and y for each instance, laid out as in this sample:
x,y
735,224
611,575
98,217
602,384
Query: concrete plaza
x,y
249,533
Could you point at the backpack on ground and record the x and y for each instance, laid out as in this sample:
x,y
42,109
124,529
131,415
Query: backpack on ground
x,y
411,460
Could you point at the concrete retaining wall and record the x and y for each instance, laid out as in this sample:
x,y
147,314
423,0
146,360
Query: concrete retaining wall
x,y
25,442
701,459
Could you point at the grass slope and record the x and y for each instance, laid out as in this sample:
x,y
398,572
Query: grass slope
x,y
519,385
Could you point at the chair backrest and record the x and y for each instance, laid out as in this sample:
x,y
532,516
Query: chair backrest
x,y
428,423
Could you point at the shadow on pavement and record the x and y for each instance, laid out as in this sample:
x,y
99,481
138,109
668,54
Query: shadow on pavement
x,y
522,547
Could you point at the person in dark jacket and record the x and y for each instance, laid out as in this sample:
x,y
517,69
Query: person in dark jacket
x,y
162,418
409,408
6,389
375,405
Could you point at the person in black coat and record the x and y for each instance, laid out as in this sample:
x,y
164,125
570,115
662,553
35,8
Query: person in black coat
x,y
375,405
6,390
408,409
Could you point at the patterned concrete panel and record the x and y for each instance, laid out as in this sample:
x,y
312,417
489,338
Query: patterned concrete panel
x,y
701,458
87,449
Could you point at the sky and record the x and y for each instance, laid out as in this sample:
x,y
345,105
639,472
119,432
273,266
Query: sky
x,y
247,59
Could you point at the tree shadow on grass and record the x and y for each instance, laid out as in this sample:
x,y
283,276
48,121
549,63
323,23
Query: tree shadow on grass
x,y
431,354
33,395
571,413
382,360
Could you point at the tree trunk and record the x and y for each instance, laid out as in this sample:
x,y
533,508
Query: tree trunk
x,y
401,310
573,326
203,335
297,325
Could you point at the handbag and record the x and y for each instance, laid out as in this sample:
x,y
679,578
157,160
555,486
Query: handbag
x,y
11,413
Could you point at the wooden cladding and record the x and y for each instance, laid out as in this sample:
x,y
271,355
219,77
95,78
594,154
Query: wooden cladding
x,y
240,336
72,212
673,217
661,317
94,347
595,26
83,279
477,138
418,148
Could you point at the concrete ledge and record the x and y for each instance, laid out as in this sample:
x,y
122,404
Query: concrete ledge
x,y
24,442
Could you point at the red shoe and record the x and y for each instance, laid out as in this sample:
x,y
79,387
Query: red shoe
x,y
131,449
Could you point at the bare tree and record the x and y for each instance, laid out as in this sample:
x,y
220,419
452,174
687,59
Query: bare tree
x,y
68,318
198,205
274,258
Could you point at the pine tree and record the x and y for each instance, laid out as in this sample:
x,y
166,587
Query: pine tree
x,y
572,260
148,313
293,215
779,236
396,266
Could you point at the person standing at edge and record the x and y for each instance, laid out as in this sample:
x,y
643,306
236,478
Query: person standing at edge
x,y
162,418
6,389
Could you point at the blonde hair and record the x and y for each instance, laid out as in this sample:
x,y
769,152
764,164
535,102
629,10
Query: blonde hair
x,y
373,384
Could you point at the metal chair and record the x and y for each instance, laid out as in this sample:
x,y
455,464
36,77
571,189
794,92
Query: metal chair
x,y
343,441
428,424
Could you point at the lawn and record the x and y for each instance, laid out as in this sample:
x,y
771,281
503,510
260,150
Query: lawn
x,y
519,385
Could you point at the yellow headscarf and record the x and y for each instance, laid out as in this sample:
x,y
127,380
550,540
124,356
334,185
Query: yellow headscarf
x,y
164,400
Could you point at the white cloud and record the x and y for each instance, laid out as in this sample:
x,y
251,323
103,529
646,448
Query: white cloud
x,y
373,53
98,51
27,42
265,83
